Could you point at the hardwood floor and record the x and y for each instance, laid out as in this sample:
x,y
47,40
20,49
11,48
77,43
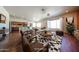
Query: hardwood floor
x,y
15,42
69,43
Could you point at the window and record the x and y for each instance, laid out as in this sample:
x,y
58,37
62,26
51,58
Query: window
x,y
56,24
37,25
34,24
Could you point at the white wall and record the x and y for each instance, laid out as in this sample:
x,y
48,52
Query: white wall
x,y
5,13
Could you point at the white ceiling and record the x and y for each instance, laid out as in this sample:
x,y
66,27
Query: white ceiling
x,y
34,13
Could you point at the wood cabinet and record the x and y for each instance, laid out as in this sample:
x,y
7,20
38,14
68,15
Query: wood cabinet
x,y
15,25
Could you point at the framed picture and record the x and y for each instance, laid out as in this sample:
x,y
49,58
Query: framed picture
x,y
2,18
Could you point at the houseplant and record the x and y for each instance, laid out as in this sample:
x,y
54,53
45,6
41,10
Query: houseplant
x,y
70,27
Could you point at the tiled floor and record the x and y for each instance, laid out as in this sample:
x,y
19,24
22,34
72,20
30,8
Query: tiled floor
x,y
69,43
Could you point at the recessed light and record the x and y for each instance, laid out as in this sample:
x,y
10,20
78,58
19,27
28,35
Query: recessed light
x,y
48,14
43,9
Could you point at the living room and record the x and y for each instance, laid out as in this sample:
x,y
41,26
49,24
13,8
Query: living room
x,y
39,28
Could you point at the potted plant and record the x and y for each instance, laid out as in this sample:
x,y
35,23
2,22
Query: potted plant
x,y
70,27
